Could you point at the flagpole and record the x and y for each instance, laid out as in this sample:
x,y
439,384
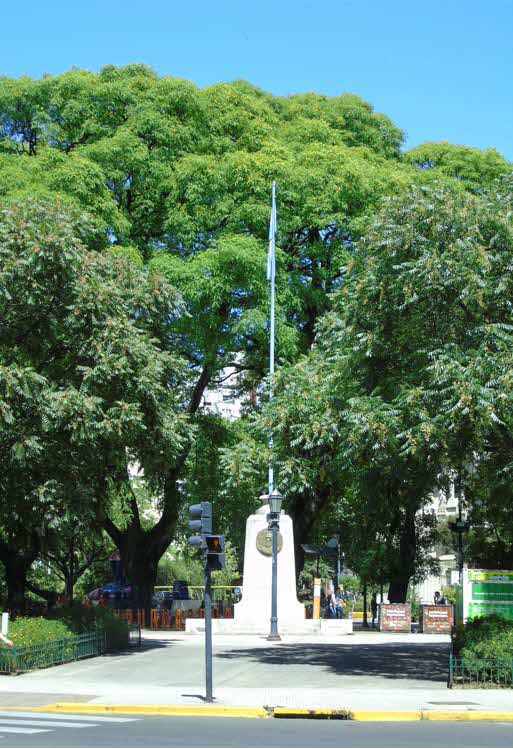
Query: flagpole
x,y
274,497
271,273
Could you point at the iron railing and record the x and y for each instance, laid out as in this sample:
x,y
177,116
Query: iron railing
x,y
52,653
480,672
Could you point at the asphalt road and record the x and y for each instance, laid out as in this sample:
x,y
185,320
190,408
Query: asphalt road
x,y
230,732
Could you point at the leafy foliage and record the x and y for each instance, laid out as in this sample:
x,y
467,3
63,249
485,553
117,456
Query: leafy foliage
x,y
25,631
132,255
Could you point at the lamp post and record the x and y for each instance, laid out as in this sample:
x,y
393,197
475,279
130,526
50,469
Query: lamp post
x,y
273,518
460,526
334,546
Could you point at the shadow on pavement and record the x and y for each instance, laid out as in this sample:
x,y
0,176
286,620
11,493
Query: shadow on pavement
x,y
142,648
389,661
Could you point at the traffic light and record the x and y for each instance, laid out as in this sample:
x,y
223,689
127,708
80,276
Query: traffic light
x,y
215,551
201,523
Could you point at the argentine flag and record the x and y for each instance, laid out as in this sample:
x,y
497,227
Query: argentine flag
x,y
271,260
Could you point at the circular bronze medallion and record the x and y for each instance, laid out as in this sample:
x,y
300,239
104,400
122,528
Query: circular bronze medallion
x,y
264,542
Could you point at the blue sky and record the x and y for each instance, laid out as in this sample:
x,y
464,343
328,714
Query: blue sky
x,y
442,70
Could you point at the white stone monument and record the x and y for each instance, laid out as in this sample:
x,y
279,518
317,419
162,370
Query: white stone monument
x,y
252,615
253,612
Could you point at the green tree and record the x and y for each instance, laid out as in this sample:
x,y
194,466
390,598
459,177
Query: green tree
x,y
177,178
85,389
476,169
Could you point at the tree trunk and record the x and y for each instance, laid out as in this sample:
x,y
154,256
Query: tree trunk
x,y
17,564
50,596
404,568
16,579
305,512
365,622
141,550
69,587
398,589
140,560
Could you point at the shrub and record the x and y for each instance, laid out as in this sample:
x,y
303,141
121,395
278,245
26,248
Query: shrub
x,y
485,637
25,631
80,619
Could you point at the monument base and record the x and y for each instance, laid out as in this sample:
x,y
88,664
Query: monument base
x,y
306,627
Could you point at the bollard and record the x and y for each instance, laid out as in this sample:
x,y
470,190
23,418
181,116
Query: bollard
x,y
317,599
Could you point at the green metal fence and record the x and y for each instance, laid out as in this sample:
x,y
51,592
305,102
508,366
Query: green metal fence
x,y
480,672
52,653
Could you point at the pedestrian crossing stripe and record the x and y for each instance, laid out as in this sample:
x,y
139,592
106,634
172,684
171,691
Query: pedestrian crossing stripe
x,y
29,722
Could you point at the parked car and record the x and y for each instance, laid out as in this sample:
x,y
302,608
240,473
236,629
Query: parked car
x,y
163,598
111,591
180,590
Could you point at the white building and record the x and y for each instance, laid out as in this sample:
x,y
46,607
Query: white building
x,y
224,400
445,506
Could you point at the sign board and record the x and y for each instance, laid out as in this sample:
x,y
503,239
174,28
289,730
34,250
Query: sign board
x,y
455,577
394,617
487,592
437,619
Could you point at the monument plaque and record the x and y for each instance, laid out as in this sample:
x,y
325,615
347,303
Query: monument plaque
x,y
264,542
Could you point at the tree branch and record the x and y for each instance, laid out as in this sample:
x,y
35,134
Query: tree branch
x,y
112,530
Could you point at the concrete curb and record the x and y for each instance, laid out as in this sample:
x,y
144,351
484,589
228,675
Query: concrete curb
x,y
228,711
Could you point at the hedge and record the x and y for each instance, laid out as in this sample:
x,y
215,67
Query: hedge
x,y
80,619
24,631
66,622
488,637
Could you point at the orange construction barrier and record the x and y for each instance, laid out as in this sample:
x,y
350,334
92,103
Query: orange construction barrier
x,y
140,618
202,613
154,619
215,614
166,619
179,619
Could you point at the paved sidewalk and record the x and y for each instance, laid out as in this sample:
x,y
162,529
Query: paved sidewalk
x,y
368,671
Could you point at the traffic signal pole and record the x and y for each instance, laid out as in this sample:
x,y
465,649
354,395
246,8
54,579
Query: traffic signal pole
x,y
208,634
212,547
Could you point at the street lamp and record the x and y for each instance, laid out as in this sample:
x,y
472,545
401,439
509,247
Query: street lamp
x,y
334,546
275,500
460,526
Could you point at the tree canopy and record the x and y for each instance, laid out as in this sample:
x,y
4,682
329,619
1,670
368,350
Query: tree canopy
x,y
135,215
